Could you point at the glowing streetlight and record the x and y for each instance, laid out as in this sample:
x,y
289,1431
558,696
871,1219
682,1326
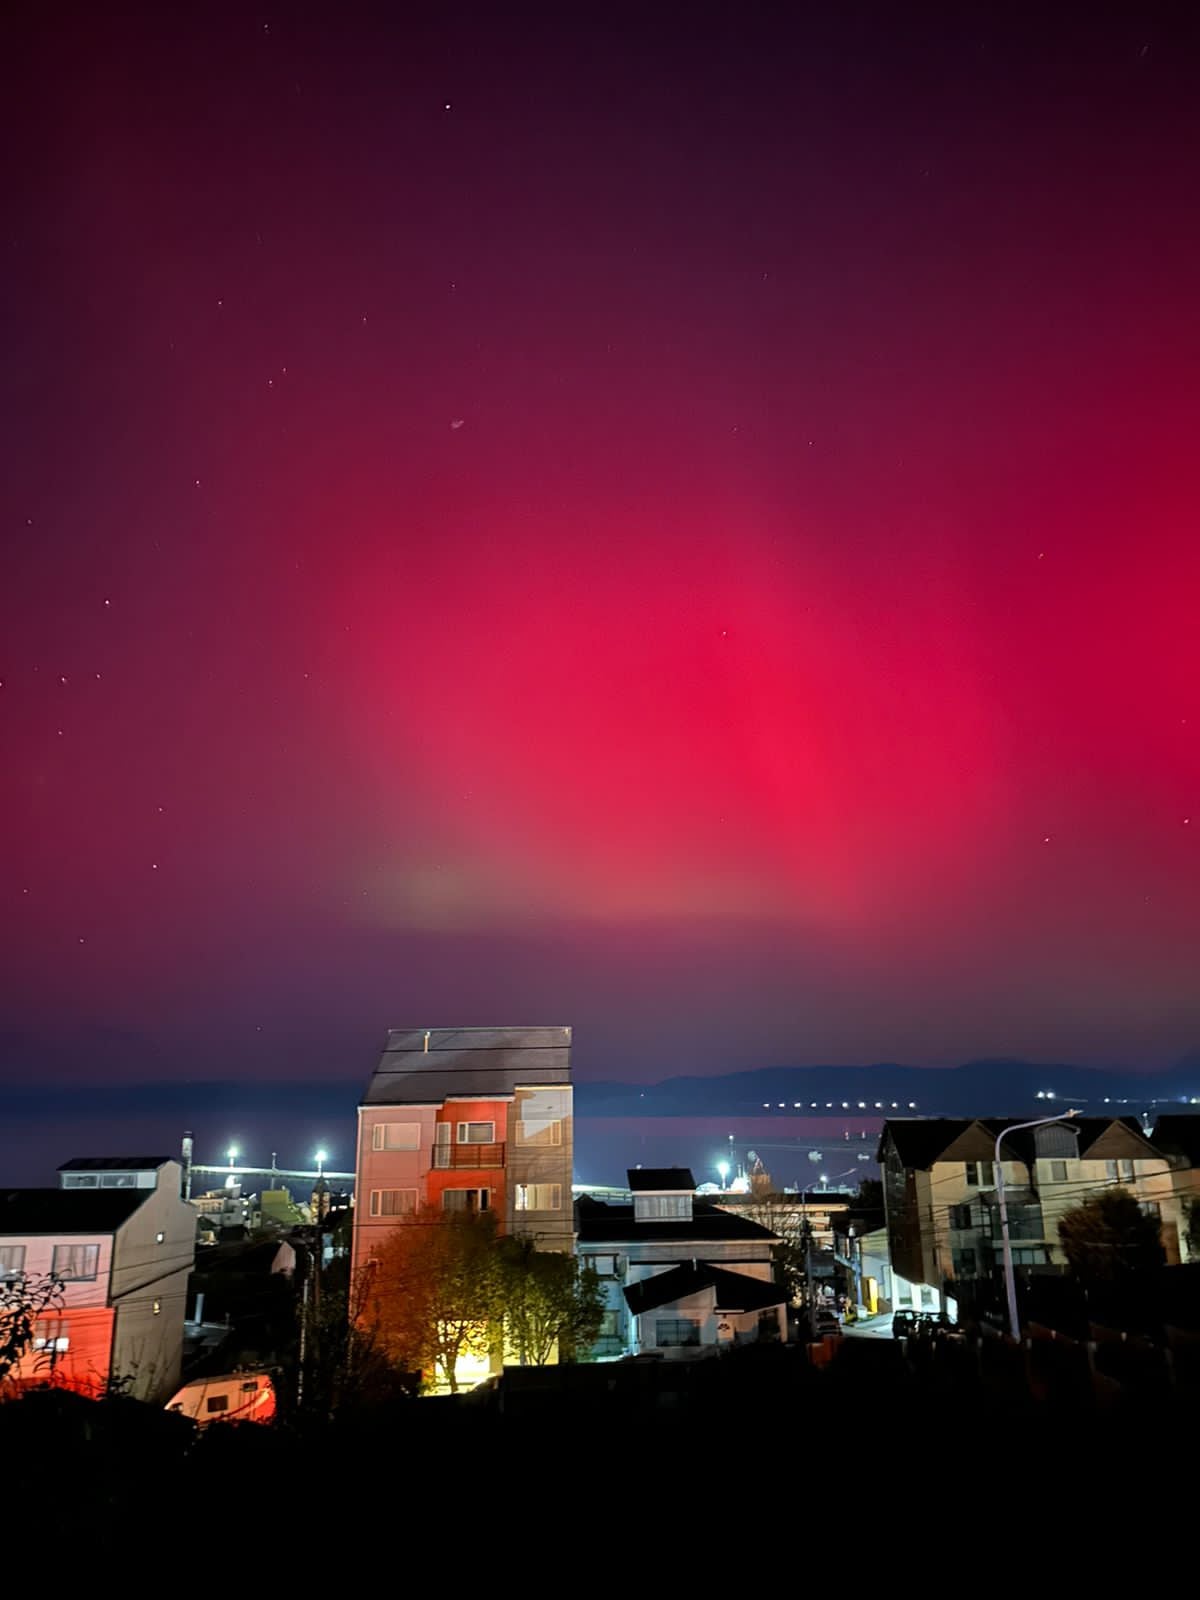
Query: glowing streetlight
x,y
232,1153
322,1158
723,1172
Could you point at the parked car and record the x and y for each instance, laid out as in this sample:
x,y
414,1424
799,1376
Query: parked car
x,y
936,1325
904,1324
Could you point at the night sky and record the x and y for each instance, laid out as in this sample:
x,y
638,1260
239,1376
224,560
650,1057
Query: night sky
x,y
675,519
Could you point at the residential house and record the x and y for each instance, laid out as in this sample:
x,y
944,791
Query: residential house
x,y
939,1184
120,1239
680,1274
861,1252
1177,1136
469,1119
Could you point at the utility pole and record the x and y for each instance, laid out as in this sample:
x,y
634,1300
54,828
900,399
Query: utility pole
x,y
1010,1282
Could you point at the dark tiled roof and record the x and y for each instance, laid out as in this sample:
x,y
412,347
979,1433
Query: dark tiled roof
x,y
114,1163
643,1180
1178,1135
598,1223
919,1141
68,1210
424,1066
735,1291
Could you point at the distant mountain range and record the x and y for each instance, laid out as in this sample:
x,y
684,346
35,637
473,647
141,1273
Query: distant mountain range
x,y
977,1088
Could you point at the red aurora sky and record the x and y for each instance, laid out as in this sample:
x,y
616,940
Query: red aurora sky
x,y
680,520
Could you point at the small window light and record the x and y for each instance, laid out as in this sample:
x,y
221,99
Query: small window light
x,y
157,1307
159,1237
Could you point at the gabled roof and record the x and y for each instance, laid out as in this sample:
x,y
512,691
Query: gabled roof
x,y
424,1066
921,1141
1178,1135
115,1163
659,1180
735,1291
599,1223
68,1210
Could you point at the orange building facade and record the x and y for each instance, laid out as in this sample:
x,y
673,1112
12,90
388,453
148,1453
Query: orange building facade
x,y
473,1119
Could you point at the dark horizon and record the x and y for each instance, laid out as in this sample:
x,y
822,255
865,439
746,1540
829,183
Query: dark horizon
x,y
678,521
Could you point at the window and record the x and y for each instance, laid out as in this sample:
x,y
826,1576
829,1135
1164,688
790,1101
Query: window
x,y
610,1325
1058,1171
250,1388
441,1144
118,1180
1119,1171
544,1131
12,1260
75,1263
662,1207
80,1180
602,1266
466,1199
1028,1257
396,1136
981,1175
393,1202
216,1402
1150,1208
676,1330
960,1217
539,1197
52,1334
964,1263
477,1133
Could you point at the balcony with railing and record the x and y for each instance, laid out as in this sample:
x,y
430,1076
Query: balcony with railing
x,y
463,1156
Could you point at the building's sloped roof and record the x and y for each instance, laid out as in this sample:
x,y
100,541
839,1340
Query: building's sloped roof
x,y
424,1066
654,1180
115,1163
598,1223
68,1210
920,1141
735,1291
1178,1135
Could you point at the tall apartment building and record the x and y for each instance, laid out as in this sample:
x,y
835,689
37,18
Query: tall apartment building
x,y
473,1119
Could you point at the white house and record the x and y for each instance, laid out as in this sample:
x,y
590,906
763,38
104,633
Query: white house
x,y
680,1275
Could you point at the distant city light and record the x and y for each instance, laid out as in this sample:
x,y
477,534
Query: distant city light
x,y
723,1170
232,1153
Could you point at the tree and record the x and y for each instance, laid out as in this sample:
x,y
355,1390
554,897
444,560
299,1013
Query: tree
x,y
549,1299
435,1294
23,1303
1109,1235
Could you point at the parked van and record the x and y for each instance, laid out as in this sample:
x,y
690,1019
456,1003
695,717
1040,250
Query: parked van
x,y
236,1397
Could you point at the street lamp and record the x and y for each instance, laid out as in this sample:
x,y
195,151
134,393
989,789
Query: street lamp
x,y
232,1153
1010,1282
723,1173
322,1157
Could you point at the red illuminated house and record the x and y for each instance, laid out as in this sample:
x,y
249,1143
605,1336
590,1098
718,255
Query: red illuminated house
x,y
469,1119
120,1240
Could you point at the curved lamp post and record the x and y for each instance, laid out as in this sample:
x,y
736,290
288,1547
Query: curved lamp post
x,y
1010,1282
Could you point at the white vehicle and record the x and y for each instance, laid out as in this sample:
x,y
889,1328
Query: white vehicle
x,y
235,1397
